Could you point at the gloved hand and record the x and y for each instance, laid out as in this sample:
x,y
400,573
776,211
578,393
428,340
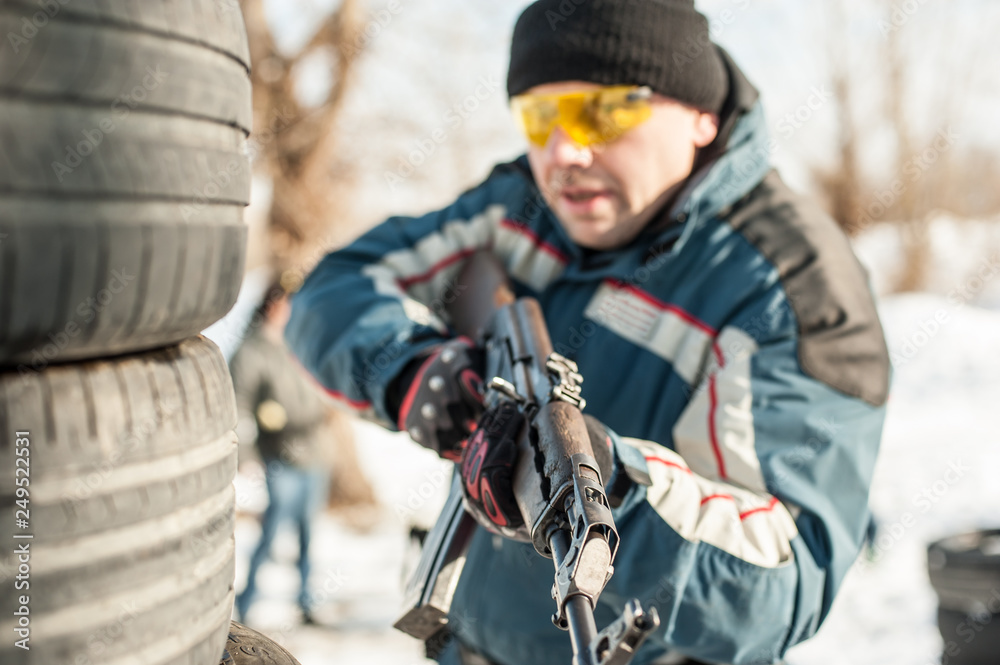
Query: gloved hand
x,y
488,463
443,400
487,469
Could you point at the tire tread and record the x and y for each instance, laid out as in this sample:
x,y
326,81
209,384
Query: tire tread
x,y
170,480
189,279
202,22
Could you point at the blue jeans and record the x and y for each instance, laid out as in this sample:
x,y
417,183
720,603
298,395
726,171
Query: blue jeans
x,y
294,495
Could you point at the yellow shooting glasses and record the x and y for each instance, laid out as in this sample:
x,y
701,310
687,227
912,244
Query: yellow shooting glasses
x,y
594,116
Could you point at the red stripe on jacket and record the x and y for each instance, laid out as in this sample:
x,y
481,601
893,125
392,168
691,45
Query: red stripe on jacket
x,y
529,233
664,306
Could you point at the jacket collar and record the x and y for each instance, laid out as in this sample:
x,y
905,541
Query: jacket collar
x,y
726,171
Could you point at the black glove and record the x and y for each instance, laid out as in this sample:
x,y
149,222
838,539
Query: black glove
x,y
443,399
488,463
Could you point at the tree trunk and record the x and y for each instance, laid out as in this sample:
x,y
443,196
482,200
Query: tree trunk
x,y
294,146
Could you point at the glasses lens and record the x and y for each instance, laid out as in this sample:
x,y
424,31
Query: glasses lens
x,y
537,115
591,117
620,109
574,117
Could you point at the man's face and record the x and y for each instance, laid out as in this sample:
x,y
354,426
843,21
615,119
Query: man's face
x,y
604,194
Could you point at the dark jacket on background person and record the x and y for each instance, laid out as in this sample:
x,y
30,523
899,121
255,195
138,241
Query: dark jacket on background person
x,y
733,348
266,375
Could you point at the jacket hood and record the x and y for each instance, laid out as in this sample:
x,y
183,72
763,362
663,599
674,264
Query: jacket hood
x,y
727,170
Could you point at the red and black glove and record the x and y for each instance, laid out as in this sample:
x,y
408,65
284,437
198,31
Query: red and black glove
x,y
443,399
487,470
488,464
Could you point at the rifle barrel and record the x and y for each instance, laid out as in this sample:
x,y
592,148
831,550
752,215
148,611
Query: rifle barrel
x,y
579,614
582,628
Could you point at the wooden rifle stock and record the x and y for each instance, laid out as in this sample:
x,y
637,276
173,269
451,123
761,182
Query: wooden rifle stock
x,y
482,290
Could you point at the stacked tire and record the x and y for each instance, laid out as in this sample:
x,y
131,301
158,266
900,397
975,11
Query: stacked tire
x,y
965,573
246,646
123,175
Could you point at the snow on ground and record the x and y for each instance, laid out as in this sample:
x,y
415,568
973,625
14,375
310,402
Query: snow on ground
x,y
357,578
936,476
964,263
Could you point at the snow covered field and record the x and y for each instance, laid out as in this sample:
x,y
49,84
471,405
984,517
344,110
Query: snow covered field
x,y
936,475
357,578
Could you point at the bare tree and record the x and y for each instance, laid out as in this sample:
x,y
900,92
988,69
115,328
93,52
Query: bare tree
x,y
842,184
296,150
914,229
924,177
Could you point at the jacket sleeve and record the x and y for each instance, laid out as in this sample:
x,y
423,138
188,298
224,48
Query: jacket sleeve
x,y
756,508
368,309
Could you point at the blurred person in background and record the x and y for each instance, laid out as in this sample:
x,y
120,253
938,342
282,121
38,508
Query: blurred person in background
x,y
728,338
283,418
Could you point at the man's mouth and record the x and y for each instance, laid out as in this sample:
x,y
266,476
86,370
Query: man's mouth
x,y
579,197
582,195
583,200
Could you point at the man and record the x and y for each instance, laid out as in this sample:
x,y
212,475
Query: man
x,y
283,414
726,334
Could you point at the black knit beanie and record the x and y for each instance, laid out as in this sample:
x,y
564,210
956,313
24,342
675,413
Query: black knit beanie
x,y
663,44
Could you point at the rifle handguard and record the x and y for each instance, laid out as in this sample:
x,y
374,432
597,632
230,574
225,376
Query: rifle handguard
x,y
586,566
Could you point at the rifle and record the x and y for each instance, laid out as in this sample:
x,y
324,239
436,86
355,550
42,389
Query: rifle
x,y
557,481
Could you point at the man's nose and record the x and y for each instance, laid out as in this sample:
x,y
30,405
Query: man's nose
x,y
564,152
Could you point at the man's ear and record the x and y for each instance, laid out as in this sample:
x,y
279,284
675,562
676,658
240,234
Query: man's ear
x,y
706,128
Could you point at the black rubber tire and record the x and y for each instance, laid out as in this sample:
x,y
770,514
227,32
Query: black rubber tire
x,y
124,277
145,156
216,24
965,571
248,647
969,639
131,507
91,188
114,70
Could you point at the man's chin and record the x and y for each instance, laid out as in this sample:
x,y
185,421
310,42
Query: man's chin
x,y
591,234
591,230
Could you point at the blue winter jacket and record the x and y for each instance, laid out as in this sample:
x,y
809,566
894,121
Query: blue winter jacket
x,y
736,352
